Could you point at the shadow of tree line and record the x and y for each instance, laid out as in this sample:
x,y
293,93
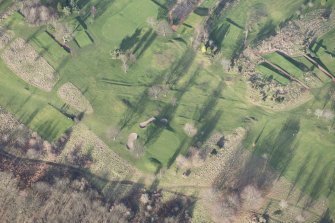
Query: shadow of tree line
x,y
168,77
264,165
179,207
270,160
169,111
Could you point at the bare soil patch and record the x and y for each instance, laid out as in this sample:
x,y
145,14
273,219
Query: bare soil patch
x,y
147,122
131,140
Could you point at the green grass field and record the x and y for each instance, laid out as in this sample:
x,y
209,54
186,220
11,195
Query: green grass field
x,y
83,39
28,103
267,72
50,123
325,54
48,48
286,64
324,78
202,93
300,146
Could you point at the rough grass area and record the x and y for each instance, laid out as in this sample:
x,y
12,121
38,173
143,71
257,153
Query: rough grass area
x,y
105,160
22,59
74,97
5,38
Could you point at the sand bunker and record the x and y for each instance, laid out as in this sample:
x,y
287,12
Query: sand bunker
x,y
73,96
25,62
131,140
147,122
190,129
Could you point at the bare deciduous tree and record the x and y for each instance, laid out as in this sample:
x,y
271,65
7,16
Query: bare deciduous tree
x,y
318,113
36,13
163,28
152,22
283,204
64,32
252,198
127,58
78,158
300,218
199,35
156,91
138,149
174,101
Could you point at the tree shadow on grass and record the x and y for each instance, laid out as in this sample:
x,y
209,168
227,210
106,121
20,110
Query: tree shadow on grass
x,y
298,64
210,103
219,34
264,165
318,186
134,111
180,68
49,130
159,4
300,172
145,43
102,6
331,184
326,217
169,110
206,129
28,118
177,71
235,23
266,31
282,147
142,41
180,148
129,41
